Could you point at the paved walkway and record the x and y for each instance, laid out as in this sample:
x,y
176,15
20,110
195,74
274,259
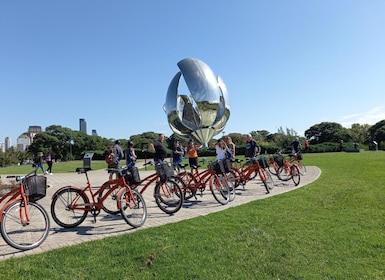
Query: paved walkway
x,y
109,225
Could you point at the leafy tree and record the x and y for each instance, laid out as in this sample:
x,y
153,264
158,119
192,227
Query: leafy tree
x,y
377,132
328,132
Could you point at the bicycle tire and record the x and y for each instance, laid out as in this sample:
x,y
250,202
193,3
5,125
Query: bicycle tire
x,y
190,183
168,196
25,236
61,212
273,168
133,207
268,180
110,203
219,189
296,177
302,168
231,177
284,173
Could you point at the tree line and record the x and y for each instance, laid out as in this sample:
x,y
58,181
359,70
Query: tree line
x,y
67,144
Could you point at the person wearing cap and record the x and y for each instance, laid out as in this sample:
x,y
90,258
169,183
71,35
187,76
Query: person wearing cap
x,y
118,157
130,154
177,155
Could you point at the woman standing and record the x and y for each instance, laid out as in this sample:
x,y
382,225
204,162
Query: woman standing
x,y
192,152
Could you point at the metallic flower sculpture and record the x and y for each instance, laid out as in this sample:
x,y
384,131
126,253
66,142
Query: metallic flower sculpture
x,y
204,112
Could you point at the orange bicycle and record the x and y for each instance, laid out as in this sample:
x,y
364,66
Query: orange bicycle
x,y
71,204
167,193
252,168
25,223
215,177
296,158
288,170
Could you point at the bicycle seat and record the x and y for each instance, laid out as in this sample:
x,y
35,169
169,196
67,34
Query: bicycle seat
x,y
183,165
82,169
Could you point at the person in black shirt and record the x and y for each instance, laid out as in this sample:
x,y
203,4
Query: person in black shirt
x,y
252,148
159,148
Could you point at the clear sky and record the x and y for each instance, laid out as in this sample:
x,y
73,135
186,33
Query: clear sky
x,y
286,64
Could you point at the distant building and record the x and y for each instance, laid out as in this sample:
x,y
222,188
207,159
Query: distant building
x,y
7,143
32,131
94,133
83,125
23,141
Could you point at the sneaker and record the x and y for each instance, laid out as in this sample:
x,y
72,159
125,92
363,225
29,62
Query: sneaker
x,y
46,172
50,174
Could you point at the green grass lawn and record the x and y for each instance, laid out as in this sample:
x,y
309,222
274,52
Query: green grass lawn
x,y
333,228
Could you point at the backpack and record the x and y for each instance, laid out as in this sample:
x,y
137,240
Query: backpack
x,y
111,156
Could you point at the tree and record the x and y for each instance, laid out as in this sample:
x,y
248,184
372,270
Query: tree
x,y
377,132
328,132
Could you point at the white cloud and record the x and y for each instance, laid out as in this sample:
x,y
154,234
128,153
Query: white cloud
x,y
370,117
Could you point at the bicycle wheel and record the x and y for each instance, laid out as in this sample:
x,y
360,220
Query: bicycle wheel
x,y
267,179
20,233
302,168
110,203
187,182
132,207
61,207
295,174
231,178
284,173
273,168
220,189
168,196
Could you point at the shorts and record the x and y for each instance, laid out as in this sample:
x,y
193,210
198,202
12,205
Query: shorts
x,y
193,161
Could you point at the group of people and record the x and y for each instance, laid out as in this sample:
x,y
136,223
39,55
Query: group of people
x,y
39,161
225,149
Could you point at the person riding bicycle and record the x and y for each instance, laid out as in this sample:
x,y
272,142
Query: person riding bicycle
x,y
252,148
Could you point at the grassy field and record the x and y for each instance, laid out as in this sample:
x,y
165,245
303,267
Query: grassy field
x,y
333,228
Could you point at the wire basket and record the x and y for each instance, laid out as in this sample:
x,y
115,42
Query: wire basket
x,y
279,160
164,170
35,187
132,176
220,166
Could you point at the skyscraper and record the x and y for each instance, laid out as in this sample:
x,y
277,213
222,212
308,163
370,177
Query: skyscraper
x,y
83,125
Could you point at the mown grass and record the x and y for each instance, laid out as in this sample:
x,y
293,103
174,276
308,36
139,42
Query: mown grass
x,y
333,228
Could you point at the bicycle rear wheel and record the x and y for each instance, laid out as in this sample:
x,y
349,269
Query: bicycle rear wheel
x,y
110,203
220,189
296,177
189,184
302,168
62,207
168,196
284,173
20,233
132,207
268,181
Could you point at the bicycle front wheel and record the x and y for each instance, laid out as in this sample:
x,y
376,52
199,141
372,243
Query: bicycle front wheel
x,y
68,207
110,203
133,208
296,177
220,189
168,196
302,168
20,233
267,179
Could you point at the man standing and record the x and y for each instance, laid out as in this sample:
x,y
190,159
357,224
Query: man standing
x,y
177,155
118,155
159,148
252,148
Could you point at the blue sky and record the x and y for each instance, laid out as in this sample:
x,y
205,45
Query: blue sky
x,y
286,64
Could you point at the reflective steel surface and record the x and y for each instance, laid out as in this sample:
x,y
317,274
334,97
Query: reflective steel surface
x,y
205,112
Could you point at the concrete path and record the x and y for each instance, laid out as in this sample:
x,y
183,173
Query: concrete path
x,y
109,225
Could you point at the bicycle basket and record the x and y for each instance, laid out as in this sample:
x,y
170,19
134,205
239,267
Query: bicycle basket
x,y
279,160
35,187
132,177
263,162
220,166
164,170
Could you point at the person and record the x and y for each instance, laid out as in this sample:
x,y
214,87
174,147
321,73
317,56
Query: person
x,y
177,155
221,149
231,146
38,162
130,155
341,145
118,152
192,153
252,148
48,160
306,146
159,149
295,146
